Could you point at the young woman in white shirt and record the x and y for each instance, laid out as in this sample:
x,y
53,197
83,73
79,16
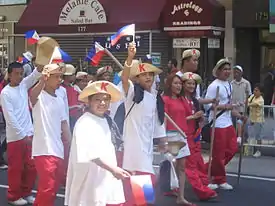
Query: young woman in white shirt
x,y
93,175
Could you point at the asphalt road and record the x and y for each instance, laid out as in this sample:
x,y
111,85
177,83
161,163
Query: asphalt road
x,y
251,192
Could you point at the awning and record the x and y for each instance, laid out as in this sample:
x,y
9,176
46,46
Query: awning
x,y
44,15
194,18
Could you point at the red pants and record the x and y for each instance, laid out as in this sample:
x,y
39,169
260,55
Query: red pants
x,y
129,198
21,171
67,146
224,148
50,172
196,172
119,158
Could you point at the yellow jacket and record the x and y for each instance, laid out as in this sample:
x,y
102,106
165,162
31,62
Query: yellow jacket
x,y
256,109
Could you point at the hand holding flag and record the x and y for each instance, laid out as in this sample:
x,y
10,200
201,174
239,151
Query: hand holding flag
x,y
128,30
32,37
95,54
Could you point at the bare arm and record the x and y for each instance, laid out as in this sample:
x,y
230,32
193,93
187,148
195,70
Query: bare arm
x,y
127,68
66,133
37,90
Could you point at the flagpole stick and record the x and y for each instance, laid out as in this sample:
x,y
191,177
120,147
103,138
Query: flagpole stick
x,y
242,142
80,64
213,135
175,125
113,58
26,45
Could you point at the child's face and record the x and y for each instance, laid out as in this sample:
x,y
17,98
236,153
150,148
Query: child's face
x,y
146,80
54,81
257,92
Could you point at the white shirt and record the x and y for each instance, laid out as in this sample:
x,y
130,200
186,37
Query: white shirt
x,y
156,81
225,96
15,105
140,127
62,93
48,113
77,88
198,91
87,183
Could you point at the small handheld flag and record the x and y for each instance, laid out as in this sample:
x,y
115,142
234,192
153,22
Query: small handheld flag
x,y
32,37
142,189
95,54
124,31
59,56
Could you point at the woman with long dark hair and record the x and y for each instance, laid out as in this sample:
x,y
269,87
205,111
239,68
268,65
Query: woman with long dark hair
x,y
175,108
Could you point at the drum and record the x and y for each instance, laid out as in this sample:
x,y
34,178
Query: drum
x,y
175,142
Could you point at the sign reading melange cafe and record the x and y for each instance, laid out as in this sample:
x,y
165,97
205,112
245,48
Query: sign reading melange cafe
x,y
82,12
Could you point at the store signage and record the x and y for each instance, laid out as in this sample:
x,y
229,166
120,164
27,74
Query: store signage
x,y
78,12
186,43
187,7
213,43
156,59
122,45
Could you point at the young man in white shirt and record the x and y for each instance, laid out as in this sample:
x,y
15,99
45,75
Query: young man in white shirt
x,y
50,122
225,140
144,121
94,179
19,131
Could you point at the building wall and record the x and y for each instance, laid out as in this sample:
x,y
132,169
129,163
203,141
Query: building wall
x,y
229,41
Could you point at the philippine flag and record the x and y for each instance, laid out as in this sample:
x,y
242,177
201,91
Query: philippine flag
x,y
32,37
124,31
59,56
95,54
142,189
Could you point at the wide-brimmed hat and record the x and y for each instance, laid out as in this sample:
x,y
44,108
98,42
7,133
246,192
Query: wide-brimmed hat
x,y
69,70
28,55
193,76
44,50
53,69
141,68
102,70
81,75
191,52
219,64
97,87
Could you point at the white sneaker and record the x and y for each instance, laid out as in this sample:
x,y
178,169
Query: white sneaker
x,y
3,167
20,201
213,186
30,199
226,186
257,154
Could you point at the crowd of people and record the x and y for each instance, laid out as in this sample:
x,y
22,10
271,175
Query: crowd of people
x,y
71,129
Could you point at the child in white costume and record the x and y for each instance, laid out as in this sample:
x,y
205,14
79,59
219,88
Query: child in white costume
x,y
93,177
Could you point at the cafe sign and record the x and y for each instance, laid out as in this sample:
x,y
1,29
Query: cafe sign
x,y
187,8
81,12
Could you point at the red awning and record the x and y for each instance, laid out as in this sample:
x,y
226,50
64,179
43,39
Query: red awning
x,y
43,16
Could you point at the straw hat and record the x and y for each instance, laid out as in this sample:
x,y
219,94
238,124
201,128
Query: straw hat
x,y
193,76
44,50
219,64
70,70
53,69
141,68
135,62
81,75
97,87
191,52
102,70
28,55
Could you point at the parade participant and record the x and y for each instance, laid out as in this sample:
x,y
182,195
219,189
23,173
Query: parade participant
x,y
225,139
189,63
93,175
69,78
172,66
145,119
104,73
49,124
81,81
19,132
195,170
174,107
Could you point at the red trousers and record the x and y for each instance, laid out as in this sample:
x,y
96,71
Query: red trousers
x,y
21,171
50,170
67,146
224,148
129,198
196,172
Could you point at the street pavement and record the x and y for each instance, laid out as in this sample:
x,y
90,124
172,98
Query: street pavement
x,y
256,186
